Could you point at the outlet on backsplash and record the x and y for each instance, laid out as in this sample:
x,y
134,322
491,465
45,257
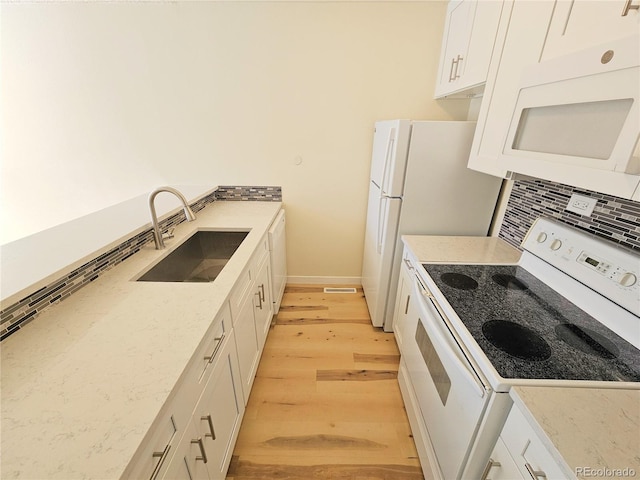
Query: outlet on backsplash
x,y
581,204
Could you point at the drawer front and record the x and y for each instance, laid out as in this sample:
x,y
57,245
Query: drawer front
x,y
241,291
152,459
244,287
528,450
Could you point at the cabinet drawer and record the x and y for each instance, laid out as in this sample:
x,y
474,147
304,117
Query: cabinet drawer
x,y
243,288
528,449
158,448
215,339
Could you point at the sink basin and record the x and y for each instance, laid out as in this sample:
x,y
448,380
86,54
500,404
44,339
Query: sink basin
x,y
200,258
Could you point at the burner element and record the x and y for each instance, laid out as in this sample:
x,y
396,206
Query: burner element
x,y
509,281
459,281
586,340
516,340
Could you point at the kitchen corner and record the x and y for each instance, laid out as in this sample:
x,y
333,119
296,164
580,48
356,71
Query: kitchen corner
x,y
85,382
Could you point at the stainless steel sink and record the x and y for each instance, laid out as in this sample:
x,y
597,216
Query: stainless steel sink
x,y
200,258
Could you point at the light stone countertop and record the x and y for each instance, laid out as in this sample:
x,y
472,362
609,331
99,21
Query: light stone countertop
x,y
596,431
444,249
84,381
586,428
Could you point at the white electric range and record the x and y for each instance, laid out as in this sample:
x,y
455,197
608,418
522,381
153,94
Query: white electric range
x,y
567,314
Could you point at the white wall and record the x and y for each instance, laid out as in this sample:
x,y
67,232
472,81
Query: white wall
x,y
104,101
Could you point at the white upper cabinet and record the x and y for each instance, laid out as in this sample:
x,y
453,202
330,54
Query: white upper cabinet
x,y
562,96
580,24
467,43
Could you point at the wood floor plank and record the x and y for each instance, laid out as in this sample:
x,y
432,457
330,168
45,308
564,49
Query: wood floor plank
x,y
325,402
355,375
392,359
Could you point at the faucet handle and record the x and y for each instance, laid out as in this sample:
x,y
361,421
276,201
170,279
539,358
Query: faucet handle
x,y
168,233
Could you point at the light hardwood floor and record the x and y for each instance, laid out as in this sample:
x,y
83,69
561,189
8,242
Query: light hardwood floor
x,y
325,403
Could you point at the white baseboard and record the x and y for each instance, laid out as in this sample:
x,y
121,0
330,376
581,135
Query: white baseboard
x,y
295,280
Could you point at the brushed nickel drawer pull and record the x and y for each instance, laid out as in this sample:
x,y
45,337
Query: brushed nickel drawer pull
x,y
162,456
262,290
490,464
210,422
202,451
628,6
535,474
406,307
259,300
209,358
408,263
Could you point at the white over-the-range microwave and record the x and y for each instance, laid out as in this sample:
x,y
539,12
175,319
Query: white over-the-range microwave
x,y
576,120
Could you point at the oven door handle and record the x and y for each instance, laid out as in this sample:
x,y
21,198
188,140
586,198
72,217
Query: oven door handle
x,y
450,344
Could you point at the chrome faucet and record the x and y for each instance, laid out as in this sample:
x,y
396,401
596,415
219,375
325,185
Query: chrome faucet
x,y
157,234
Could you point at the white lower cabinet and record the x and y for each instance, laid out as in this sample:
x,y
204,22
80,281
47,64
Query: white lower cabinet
x,y
247,342
253,319
263,303
403,297
194,434
207,444
520,453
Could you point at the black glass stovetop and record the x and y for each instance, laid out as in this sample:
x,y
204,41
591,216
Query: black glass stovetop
x,y
529,331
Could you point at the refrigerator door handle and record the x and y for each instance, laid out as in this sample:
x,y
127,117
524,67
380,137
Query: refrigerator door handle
x,y
382,223
387,158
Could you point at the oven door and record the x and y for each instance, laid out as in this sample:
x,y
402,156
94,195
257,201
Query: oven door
x,y
451,395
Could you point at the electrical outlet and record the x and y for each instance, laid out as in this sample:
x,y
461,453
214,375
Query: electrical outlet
x,y
581,204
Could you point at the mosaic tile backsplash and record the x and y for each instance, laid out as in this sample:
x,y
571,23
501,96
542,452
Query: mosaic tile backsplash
x,y
15,316
263,194
615,219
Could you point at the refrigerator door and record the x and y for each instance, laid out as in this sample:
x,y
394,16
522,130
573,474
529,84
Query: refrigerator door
x,y
389,156
383,214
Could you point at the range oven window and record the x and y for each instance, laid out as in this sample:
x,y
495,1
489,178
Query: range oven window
x,y
434,365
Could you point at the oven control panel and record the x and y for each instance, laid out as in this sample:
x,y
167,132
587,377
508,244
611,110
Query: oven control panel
x,y
606,267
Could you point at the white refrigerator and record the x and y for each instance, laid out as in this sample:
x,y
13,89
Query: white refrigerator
x,y
419,185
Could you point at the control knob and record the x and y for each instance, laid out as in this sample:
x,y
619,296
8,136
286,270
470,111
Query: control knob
x,y
628,279
542,237
555,245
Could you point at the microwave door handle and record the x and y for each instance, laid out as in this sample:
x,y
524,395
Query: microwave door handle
x,y
443,338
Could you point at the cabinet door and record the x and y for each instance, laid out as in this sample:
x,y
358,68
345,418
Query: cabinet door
x,y
219,411
455,42
520,46
470,31
188,463
247,345
262,303
403,298
580,24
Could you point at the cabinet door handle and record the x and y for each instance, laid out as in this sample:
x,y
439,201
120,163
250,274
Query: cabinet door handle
x,y
408,264
210,422
202,451
535,474
458,60
490,464
262,292
406,307
628,6
209,358
259,300
451,75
